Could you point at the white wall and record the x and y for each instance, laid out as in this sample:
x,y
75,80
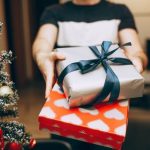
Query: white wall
x,y
141,12
137,6
143,25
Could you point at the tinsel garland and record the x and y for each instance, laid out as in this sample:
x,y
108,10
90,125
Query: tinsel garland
x,y
5,58
14,132
7,100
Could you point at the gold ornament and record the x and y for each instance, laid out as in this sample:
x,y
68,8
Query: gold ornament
x,y
5,91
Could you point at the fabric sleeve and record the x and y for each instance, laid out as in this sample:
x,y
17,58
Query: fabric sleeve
x,y
48,16
127,19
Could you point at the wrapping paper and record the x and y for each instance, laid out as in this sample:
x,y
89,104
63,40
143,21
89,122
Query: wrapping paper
x,y
102,124
81,89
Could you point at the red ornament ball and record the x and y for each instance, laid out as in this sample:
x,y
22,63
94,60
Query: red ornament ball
x,y
1,133
32,143
1,140
13,146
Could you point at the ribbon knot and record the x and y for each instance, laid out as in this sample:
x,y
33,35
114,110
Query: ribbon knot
x,y
112,84
89,65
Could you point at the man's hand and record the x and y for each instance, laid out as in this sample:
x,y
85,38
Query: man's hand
x,y
46,63
137,62
43,54
135,53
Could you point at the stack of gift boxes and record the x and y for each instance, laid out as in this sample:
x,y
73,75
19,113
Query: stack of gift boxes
x,y
90,100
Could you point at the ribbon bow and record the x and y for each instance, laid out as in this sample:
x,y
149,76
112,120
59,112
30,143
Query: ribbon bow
x,y
112,84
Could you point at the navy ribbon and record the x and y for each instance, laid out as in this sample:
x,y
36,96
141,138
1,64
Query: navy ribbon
x,y
112,84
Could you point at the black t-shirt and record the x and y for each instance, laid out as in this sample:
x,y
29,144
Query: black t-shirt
x,y
84,25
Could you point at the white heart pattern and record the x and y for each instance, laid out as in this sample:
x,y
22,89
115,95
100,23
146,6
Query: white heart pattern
x,y
110,138
91,111
99,125
123,103
82,132
48,113
56,125
118,142
62,103
114,114
121,130
57,88
72,118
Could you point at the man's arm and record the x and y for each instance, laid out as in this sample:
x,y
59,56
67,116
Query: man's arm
x,y
135,53
43,55
44,41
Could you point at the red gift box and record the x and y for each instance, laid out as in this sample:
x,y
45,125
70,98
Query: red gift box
x,y
103,124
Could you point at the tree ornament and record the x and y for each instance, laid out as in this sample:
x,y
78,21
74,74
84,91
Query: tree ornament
x,y
32,143
5,91
13,146
1,140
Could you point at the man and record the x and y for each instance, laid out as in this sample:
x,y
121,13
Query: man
x,y
84,23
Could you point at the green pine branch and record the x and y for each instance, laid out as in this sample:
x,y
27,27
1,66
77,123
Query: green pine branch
x,y
15,132
12,131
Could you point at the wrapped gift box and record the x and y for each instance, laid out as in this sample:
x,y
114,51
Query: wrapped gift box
x,y
81,89
102,124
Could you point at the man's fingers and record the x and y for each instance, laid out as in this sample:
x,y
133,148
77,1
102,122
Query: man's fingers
x,y
56,55
49,78
139,68
47,91
138,64
48,87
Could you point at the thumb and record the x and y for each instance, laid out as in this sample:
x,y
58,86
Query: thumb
x,y
57,55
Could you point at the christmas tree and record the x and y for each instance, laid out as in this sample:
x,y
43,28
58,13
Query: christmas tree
x,y
12,133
